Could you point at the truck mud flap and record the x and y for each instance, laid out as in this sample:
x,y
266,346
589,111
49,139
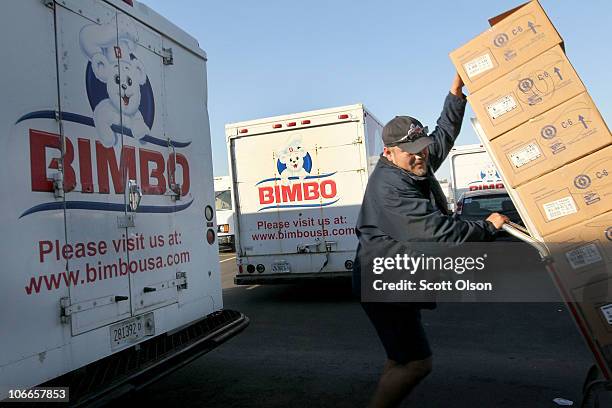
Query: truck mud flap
x,y
138,366
289,277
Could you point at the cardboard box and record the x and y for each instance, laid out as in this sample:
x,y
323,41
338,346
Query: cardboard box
x,y
571,194
526,92
557,137
598,313
582,256
582,253
515,37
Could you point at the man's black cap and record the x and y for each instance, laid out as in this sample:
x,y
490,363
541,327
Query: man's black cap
x,y
407,133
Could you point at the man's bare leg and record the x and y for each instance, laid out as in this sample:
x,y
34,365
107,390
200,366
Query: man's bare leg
x,y
398,380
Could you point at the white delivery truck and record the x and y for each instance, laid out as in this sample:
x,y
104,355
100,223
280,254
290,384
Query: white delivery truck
x,y
471,168
110,271
446,188
298,183
225,212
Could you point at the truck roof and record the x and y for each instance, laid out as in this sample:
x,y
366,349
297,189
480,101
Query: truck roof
x,y
325,117
156,22
467,148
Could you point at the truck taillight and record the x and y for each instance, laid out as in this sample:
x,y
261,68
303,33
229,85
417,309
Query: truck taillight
x,y
240,270
210,236
224,228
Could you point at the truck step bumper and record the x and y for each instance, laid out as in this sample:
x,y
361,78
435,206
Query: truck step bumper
x,y
136,367
253,279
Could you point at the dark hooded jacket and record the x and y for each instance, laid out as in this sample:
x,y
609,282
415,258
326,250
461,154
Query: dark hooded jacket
x,y
400,210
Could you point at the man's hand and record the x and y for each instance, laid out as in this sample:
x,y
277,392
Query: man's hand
x,y
457,86
498,220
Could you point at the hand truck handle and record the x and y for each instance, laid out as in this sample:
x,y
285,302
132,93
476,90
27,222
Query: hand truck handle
x,y
521,233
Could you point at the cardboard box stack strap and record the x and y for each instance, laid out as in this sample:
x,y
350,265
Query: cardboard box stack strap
x,y
553,150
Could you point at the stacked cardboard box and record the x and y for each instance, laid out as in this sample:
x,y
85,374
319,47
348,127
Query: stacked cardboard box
x,y
553,150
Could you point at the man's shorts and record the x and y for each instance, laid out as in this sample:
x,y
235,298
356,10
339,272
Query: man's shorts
x,y
400,331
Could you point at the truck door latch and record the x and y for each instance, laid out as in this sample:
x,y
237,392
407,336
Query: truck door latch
x,y
167,57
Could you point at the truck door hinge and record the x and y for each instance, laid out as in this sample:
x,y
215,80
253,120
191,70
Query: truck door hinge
x,y
175,194
167,57
65,311
125,221
181,280
58,185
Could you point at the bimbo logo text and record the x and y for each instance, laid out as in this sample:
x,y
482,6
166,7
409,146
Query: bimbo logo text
x,y
298,188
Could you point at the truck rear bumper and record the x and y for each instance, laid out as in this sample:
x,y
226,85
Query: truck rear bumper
x,y
253,279
132,369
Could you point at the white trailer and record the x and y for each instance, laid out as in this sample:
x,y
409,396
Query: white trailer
x,y
298,183
109,259
224,206
471,168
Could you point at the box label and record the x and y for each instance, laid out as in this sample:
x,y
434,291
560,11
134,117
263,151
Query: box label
x,y
560,208
478,65
557,147
502,106
525,155
607,313
583,256
591,198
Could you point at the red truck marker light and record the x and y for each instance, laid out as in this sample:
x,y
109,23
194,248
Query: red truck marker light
x,y
305,122
243,130
343,116
210,236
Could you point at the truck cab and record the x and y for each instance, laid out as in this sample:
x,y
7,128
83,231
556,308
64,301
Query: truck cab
x,y
224,206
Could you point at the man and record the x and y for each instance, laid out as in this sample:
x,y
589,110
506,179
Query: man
x,y
404,204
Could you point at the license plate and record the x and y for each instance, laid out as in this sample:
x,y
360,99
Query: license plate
x,y
281,267
131,330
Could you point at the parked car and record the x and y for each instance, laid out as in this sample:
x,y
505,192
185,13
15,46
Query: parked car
x,y
478,204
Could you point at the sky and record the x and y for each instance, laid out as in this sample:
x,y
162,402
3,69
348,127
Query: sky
x,y
268,58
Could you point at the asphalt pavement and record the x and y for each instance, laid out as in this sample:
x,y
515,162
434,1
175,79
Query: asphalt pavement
x,y
311,345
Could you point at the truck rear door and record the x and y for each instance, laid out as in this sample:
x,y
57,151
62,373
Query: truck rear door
x,y
96,164
298,191
116,144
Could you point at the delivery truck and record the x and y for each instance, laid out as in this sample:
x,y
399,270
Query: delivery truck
x,y
110,268
298,182
471,169
225,213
